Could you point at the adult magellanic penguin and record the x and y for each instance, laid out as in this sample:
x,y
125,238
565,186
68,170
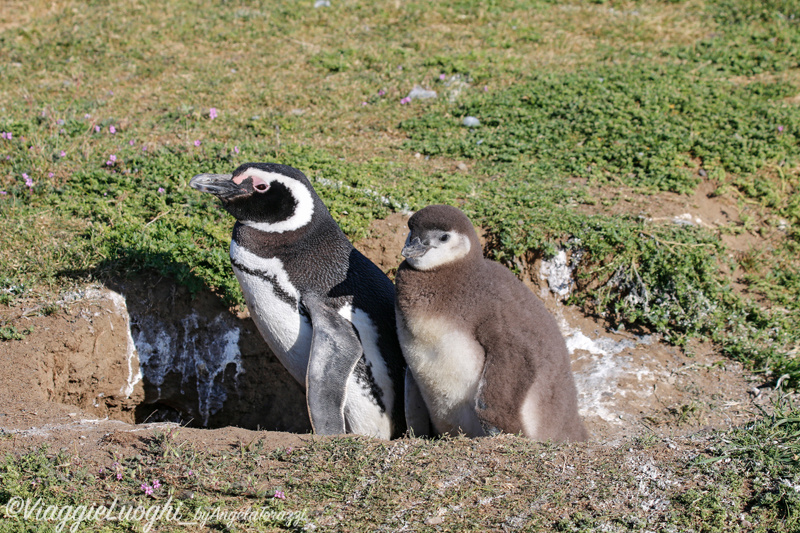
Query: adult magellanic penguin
x,y
325,310
484,355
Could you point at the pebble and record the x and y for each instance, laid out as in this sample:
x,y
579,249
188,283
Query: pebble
x,y
418,93
471,122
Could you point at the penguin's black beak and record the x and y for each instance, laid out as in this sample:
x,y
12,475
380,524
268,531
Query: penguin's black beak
x,y
220,185
414,248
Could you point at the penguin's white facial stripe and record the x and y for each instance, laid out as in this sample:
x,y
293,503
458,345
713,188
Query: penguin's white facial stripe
x,y
444,248
303,211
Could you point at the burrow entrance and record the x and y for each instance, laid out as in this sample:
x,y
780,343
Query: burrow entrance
x,y
147,351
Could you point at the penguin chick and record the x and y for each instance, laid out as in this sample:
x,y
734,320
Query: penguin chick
x,y
325,310
483,352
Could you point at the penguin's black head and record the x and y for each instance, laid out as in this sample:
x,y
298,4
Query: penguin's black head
x,y
267,196
440,234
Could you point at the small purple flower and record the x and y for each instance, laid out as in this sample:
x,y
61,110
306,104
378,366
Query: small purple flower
x,y
156,483
279,495
28,180
442,77
780,129
144,148
406,100
381,92
131,142
62,154
87,116
191,473
197,142
148,490
112,130
97,129
161,191
112,157
44,113
235,149
363,103
486,88
50,175
212,113
3,193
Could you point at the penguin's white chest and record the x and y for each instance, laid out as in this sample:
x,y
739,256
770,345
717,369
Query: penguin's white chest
x,y
274,307
447,364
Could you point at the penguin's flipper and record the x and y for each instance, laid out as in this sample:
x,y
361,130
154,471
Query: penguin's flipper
x,y
418,419
335,350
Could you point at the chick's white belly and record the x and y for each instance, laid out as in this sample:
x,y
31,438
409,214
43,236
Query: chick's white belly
x,y
447,365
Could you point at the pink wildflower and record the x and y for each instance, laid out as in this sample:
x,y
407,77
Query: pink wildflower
x,y
50,175
406,100
131,142
197,142
87,116
3,193
381,92
161,190
363,103
780,129
212,113
279,495
156,483
62,154
442,77
112,130
97,129
235,149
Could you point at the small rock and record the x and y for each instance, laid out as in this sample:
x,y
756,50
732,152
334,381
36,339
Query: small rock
x,y
434,520
418,93
461,166
471,122
322,3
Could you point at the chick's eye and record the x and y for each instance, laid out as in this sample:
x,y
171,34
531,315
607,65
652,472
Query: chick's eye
x,y
445,237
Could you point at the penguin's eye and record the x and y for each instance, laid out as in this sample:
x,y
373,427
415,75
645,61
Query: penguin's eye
x,y
445,237
261,187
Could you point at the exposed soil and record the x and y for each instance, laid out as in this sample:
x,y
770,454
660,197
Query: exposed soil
x,y
74,380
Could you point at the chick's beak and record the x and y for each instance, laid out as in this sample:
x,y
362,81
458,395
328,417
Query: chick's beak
x,y
414,248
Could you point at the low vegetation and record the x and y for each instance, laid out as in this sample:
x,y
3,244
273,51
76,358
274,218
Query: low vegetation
x,y
109,108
